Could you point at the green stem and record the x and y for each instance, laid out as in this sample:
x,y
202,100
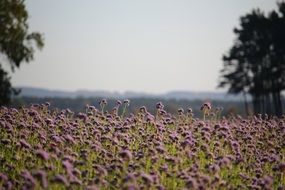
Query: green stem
x,y
124,111
102,109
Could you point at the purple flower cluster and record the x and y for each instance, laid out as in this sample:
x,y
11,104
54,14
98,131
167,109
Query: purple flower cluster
x,y
57,149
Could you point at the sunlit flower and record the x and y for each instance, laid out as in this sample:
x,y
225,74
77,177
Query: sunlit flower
x,y
42,154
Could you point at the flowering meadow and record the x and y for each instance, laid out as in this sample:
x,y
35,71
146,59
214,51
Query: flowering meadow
x,y
41,148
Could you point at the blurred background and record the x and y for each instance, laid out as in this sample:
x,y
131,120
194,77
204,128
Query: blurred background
x,y
180,52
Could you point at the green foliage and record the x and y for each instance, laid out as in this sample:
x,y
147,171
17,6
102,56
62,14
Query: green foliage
x,y
6,90
17,44
255,63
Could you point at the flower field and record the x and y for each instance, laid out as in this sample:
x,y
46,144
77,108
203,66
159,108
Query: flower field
x,y
42,148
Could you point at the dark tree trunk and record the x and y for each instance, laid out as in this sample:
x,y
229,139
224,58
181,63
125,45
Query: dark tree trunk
x,y
257,104
268,104
262,111
279,102
245,103
275,102
254,102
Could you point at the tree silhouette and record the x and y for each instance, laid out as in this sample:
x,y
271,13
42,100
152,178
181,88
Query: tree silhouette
x,y
255,63
16,43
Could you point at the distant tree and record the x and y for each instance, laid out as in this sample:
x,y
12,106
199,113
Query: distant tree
x,y
255,64
6,91
16,43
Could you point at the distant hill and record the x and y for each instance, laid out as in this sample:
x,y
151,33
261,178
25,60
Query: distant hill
x,y
187,95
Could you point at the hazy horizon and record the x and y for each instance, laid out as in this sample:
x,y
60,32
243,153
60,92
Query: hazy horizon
x,y
141,46
120,92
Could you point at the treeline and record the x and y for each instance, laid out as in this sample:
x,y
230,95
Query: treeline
x,y
171,105
255,64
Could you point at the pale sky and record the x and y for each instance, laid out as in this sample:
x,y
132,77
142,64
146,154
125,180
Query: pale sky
x,y
150,46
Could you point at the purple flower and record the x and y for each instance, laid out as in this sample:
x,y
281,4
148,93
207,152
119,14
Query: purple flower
x,y
189,110
100,169
67,165
29,178
191,183
43,154
126,155
129,178
47,104
93,187
60,179
127,102
160,149
82,116
118,102
3,177
214,168
143,109
103,102
42,175
180,111
159,105
74,180
160,187
164,167
49,121
147,178
5,141
69,138
281,167
24,144
56,139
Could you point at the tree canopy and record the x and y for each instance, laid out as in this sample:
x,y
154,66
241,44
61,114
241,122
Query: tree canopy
x,y
255,64
17,44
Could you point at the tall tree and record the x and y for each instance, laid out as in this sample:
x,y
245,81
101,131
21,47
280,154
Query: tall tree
x,y
255,63
17,44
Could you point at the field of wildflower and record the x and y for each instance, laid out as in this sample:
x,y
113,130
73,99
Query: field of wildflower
x,y
41,148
